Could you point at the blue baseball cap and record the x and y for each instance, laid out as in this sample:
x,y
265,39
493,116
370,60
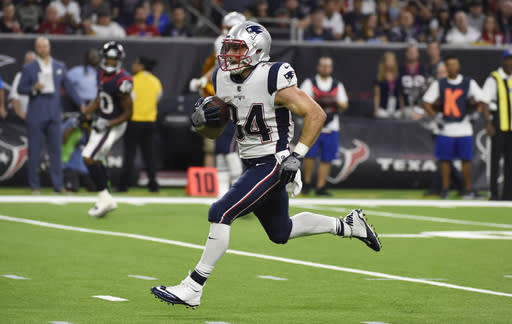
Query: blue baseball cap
x,y
507,53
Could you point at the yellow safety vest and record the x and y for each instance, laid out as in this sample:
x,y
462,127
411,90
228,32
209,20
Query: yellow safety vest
x,y
504,112
147,89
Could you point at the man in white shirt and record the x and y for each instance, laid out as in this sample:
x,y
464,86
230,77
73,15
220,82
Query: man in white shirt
x,y
331,96
455,137
499,125
106,27
333,19
462,33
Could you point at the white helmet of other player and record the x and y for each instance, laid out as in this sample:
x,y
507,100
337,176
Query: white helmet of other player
x,y
231,19
246,44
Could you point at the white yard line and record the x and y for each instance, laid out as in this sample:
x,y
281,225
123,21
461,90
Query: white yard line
x,y
254,255
110,298
142,277
15,277
293,202
271,278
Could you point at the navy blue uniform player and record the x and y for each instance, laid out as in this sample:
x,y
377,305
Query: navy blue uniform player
x,y
114,107
262,95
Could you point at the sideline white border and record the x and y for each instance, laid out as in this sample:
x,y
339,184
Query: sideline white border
x,y
57,199
254,255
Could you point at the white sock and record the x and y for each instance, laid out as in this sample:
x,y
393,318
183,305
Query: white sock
x,y
307,223
216,246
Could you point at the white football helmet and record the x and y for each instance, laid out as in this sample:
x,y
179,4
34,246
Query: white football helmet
x,y
231,19
246,44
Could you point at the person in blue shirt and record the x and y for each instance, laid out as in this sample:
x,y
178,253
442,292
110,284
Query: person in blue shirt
x,y
83,77
158,17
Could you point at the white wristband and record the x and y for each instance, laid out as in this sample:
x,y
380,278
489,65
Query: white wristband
x,y
301,149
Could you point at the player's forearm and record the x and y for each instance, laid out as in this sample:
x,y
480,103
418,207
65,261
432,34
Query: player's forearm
x,y
429,109
125,116
95,104
313,124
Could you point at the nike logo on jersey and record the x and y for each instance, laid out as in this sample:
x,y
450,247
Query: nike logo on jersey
x,y
259,164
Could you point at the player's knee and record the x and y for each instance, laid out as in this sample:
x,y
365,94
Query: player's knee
x,y
279,237
215,213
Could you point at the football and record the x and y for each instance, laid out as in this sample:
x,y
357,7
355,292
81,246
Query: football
x,y
225,113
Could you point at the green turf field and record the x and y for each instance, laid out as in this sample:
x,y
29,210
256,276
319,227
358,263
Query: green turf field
x,y
428,276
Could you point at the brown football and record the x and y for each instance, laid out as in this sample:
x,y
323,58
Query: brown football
x,y
225,113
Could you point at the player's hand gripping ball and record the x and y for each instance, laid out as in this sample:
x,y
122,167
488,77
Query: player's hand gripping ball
x,y
211,112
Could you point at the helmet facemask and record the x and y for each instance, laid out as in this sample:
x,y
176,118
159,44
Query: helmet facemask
x,y
234,56
109,69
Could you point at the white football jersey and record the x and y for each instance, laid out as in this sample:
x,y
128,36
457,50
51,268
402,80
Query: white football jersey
x,y
262,128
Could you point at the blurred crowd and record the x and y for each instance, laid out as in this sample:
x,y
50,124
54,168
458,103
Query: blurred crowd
x,y
443,21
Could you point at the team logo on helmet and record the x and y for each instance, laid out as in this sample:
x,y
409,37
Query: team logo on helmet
x,y
254,30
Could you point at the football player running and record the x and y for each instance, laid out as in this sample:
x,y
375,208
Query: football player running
x,y
263,95
114,104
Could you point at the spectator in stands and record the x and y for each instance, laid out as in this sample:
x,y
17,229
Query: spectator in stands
x,y
353,20
412,83
91,10
262,9
9,23
333,20
140,28
405,31
434,58
330,94
316,30
476,16
370,32
504,18
490,32
158,18
280,29
84,77
105,27
68,12
297,10
122,10
42,80
142,125
462,33
455,138
178,26
3,111
30,15
441,25
385,95
384,21
52,25
368,7
19,101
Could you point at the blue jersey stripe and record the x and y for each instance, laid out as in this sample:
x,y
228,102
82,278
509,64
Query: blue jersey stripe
x,y
214,79
283,126
272,77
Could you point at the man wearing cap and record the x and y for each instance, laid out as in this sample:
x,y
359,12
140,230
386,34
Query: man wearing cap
x,y
497,90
